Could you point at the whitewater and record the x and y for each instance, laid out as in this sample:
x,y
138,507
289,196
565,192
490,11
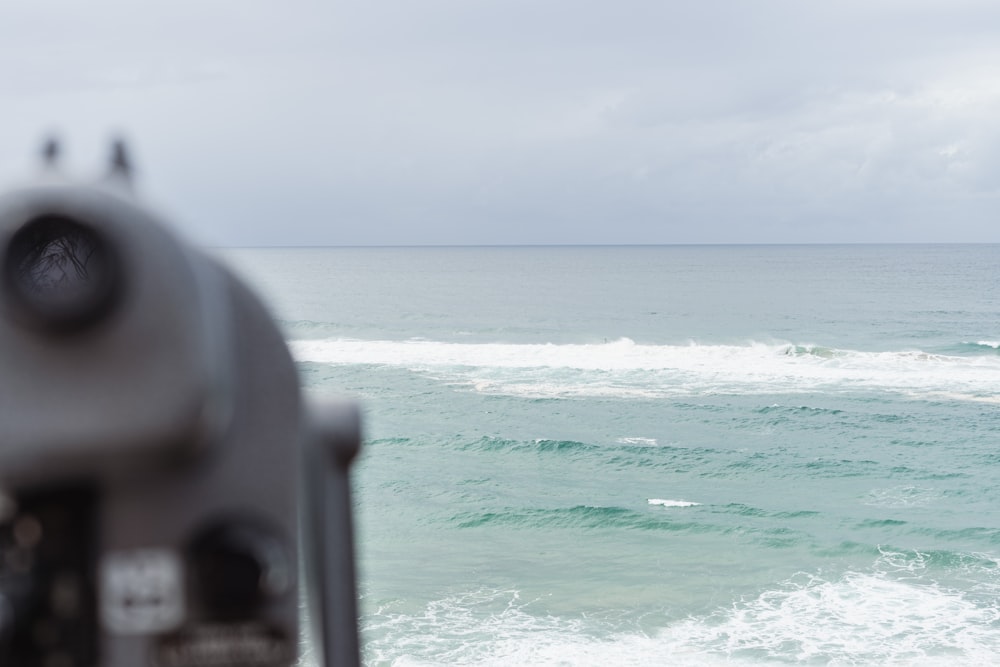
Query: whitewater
x,y
623,368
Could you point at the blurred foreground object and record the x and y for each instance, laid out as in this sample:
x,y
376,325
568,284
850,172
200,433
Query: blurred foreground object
x,y
166,494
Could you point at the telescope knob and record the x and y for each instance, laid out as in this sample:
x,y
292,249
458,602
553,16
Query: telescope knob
x,y
239,566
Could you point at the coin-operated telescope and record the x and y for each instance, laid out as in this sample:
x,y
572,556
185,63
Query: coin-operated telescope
x,y
167,499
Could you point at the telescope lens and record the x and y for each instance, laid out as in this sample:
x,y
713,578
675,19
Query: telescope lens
x,y
61,274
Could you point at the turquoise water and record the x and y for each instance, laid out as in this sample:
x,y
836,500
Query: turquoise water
x,y
664,455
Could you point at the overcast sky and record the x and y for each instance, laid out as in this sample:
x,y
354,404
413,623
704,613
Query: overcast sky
x,y
523,121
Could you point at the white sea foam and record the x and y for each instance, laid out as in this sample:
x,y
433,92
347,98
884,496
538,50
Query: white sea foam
x,y
497,628
857,618
626,369
643,442
902,496
672,503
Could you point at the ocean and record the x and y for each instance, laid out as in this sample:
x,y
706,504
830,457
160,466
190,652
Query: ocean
x,y
671,455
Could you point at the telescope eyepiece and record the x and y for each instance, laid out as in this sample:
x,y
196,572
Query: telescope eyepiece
x,y
61,275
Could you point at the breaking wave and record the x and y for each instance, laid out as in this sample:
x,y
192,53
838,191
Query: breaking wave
x,y
888,614
626,369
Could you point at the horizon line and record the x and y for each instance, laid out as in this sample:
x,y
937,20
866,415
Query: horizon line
x,y
598,245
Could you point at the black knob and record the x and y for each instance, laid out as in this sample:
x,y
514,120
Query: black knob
x,y
237,566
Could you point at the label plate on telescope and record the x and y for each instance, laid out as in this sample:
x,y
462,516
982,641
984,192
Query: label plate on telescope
x,y
142,591
226,645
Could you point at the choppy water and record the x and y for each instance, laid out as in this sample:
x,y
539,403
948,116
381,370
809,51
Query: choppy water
x,y
664,455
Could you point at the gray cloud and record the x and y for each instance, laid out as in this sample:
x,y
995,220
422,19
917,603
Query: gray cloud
x,y
447,121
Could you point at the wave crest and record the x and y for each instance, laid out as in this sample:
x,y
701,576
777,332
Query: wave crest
x,y
881,616
626,369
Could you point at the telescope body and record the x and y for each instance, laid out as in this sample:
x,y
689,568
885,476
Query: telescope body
x,y
161,471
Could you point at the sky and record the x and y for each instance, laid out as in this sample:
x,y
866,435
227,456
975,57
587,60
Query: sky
x,y
413,122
